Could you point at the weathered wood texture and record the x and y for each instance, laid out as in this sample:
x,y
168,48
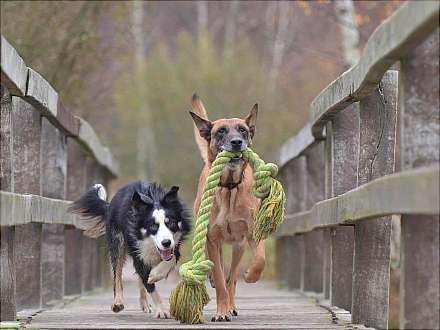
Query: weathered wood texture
x,y
296,145
261,306
294,174
314,240
76,183
13,69
53,170
408,192
419,97
7,255
372,238
345,148
26,128
407,27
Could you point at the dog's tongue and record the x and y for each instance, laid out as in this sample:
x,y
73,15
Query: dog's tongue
x,y
166,254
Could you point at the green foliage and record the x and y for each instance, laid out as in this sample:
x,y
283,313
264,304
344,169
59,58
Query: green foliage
x,y
228,86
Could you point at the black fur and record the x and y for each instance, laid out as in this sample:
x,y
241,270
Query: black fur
x,y
130,211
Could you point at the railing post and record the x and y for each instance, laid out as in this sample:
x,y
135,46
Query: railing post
x,y
314,240
419,102
372,237
293,246
76,181
53,185
328,192
26,131
7,262
344,139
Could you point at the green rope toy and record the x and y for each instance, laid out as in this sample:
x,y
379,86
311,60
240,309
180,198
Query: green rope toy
x,y
190,296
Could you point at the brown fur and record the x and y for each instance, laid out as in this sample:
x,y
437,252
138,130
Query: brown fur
x,y
232,215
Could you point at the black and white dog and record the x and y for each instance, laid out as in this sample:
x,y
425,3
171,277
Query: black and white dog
x,y
144,221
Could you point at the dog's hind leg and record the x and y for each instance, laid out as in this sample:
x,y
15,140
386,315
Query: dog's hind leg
x,y
118,255
237,254
255,270
143,301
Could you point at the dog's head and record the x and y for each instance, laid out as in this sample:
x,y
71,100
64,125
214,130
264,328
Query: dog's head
x,y
161,218
233,134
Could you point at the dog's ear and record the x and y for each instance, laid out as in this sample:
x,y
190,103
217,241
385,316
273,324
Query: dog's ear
x,y
171,196
204,126
140,199
251,119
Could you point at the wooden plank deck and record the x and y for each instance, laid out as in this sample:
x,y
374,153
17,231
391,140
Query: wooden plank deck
x,y
261,306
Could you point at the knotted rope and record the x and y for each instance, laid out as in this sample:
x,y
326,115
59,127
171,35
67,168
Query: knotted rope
x,y
190,296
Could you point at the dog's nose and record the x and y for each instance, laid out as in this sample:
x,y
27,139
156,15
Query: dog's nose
x,y
236,143
166,243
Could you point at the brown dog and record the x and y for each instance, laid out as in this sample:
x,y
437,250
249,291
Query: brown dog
x,y
233,212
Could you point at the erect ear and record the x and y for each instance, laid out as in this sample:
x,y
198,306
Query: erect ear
x,y
171,196
139,199
251,119
204,126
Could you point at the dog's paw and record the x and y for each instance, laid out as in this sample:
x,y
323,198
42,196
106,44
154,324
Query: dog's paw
x,y
156,275
252,276
220,317
145,306
234,311
162,314
117,307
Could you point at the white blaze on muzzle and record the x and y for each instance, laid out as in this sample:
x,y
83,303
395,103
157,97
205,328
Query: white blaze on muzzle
x,y
163,234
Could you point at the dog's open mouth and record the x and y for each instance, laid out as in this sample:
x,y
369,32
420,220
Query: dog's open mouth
x,y
166,255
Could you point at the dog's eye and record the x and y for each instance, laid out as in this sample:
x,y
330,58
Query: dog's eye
x,y
154,227
222,130
241,129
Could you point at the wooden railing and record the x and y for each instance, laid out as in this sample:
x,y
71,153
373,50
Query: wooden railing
x,y
343,181
48,157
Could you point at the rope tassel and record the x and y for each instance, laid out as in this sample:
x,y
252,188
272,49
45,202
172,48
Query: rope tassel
x,y
190,296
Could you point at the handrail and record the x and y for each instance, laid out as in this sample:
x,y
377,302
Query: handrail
x,y
403,30
409,192
24,82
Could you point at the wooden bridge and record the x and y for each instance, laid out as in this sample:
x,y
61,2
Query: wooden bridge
x,y
370,151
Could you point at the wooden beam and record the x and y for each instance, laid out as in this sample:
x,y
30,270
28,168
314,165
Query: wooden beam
x,y
408,192
419,101
406,28
8,308
296,145
88,138
345,148
371,268
26,135
53,170
13,69
76,183
314,241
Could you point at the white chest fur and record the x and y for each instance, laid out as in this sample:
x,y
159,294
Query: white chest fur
x,y
148,252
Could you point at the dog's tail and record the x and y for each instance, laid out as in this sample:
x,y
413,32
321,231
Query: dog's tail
x,y
199,109
93,206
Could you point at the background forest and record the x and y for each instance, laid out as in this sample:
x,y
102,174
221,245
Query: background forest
x,y
131,67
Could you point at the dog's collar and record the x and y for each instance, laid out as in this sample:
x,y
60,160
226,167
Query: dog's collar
x,y
233,185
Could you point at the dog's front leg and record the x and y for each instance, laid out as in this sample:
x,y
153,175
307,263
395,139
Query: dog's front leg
x,y
162,270
160,311
220,283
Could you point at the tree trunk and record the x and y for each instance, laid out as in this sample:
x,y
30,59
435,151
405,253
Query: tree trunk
x,y
202,16
345,14
280,42
230,27
145,145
